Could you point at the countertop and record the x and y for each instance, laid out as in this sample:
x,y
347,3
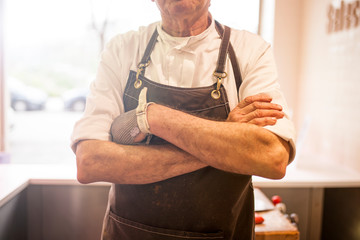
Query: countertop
x,y
16,177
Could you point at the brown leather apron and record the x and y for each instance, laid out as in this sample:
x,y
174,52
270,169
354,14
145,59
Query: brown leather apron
x,y
205,204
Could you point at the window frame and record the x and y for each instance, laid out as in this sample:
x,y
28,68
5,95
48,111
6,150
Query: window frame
x,y
2,81
4,157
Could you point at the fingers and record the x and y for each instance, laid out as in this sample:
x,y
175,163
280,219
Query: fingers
x,y
261,97
256,114
262,122
258,110
264,117
260,113
258,106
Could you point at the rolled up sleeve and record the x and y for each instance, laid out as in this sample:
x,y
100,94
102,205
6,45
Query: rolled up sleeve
x,y
260,76
104,101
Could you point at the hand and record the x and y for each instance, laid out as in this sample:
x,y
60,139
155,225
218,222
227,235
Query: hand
x,y
256,109
132,126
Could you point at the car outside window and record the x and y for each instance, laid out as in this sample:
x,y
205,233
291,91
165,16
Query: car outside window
x,y
51,55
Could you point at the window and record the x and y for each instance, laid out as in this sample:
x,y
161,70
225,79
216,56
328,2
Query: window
x,y
2,104
51,50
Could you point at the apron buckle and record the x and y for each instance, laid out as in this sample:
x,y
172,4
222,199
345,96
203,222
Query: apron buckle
x,y
141,68
215,94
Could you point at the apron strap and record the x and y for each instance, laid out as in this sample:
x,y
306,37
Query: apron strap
x,y
145,60
149,48
225,40
226,47
233,59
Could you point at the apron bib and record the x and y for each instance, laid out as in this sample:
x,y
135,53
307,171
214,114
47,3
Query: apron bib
x,y
205,204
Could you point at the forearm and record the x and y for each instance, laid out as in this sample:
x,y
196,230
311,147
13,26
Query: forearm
x,y
111,162
229,146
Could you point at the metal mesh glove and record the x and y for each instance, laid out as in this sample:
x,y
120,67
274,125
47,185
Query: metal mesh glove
x,y
124,128
128,125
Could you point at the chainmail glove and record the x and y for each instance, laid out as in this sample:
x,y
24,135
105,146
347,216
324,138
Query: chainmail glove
x,y
128,125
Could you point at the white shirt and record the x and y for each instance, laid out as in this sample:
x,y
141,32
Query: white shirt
x,y
182,62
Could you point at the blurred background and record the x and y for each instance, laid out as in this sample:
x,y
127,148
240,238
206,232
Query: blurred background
x,y
51,52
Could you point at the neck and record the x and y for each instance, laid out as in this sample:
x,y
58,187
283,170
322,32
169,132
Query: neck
x,y
186,27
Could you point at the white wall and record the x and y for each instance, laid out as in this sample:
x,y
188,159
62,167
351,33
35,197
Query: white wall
x,y
286,45
320,73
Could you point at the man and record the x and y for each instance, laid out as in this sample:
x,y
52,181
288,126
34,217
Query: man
x,y
190,177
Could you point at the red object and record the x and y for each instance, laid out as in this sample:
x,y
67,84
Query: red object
x,y
276,199
258,219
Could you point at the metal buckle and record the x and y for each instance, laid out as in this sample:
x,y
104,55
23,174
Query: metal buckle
x,y
215,94
141,68
138,82
220,75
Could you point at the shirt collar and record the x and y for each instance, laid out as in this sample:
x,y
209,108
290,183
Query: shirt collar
x,y
185,43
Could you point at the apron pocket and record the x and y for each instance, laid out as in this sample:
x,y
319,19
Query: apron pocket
x,y
124,229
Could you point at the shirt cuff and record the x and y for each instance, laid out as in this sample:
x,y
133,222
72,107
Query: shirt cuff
x,y
285,129
97,130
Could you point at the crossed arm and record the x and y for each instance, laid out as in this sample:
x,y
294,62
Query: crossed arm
x,y
238,145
